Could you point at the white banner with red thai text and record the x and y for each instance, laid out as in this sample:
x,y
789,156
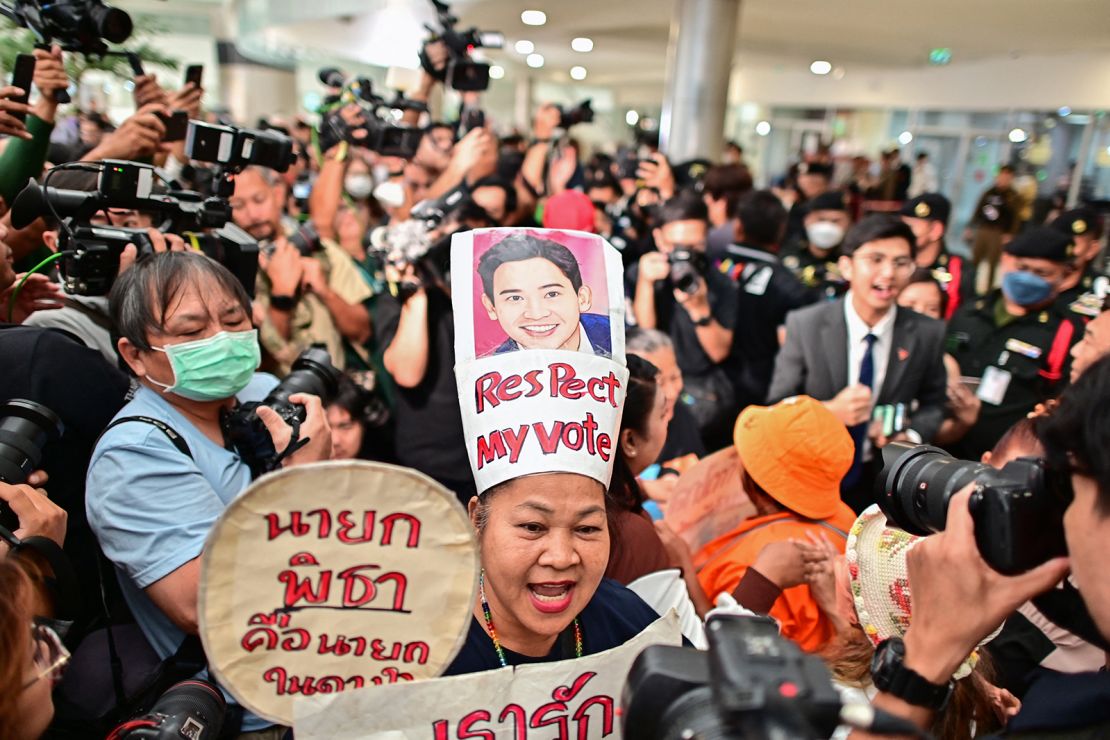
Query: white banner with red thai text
x,y
567,699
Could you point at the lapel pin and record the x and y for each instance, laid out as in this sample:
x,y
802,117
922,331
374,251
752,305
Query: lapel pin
x,y
903,353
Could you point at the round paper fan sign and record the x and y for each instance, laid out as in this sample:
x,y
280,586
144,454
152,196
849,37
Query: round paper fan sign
x,y
335,576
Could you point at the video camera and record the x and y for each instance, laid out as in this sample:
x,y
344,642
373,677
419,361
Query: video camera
x,y
75,25
752,683
311,373
374,126
1018,510
92,251
462,73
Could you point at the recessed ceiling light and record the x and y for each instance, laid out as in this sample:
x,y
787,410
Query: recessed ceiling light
x,y
535,61
496,72
524,46
820,67
1018,135
1063,111
533,17
631,118
578,73
582,44
905,138
763,128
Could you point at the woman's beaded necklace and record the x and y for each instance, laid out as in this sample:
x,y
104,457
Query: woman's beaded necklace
x,y
493,632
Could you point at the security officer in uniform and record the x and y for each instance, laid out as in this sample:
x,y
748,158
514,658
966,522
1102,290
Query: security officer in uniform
x,y
811,180
1086,287
927,215
1016,341
813,257
996,221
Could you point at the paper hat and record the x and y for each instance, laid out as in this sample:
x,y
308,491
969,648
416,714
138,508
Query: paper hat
x,y
539,351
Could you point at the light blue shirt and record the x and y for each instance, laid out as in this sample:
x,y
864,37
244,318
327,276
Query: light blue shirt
x,y
151,506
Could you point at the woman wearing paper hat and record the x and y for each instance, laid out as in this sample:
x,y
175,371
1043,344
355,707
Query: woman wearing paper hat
x,y
867,593
541,426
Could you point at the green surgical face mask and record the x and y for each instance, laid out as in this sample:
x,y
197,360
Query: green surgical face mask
x,y
212,369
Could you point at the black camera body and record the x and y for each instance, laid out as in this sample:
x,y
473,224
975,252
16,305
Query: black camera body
x,y
311,373
1018,510
462,73
752,683
75,25
687,268
375,127
581,113
193,709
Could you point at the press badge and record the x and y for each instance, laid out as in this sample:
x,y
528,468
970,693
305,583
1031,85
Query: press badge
x,y
993,386
1023,348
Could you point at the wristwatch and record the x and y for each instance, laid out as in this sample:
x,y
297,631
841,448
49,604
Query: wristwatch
x,y
283,302
890,675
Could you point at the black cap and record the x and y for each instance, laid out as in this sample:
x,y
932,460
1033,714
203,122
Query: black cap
x,y
1043,242
815,168
834,200
1079,221
691,173
932,206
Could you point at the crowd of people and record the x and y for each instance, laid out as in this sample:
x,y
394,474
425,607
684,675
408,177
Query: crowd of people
x,y
803,329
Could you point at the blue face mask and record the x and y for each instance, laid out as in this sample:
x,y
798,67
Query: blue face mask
x,y
1025,288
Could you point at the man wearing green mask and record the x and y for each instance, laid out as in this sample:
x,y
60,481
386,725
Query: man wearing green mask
x,y
161,474
1015,341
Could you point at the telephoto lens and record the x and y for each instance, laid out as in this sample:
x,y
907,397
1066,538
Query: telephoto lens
x,y
25,428
917,482
190,709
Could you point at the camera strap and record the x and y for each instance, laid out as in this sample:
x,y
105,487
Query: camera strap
x,y
175,438
295,443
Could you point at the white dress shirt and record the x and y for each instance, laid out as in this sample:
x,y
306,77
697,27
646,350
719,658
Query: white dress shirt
x,y
857,330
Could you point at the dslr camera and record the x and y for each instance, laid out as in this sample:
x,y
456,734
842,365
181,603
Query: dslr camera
x,y
376,126
26,428
191,709
581,113
1018,510
687,268
312,373
92,251
752,683
462,73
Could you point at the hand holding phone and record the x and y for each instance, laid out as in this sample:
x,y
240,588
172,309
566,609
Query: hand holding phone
x,y
176,123
23,75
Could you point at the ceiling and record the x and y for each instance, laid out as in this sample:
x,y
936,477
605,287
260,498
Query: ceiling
x,y
630,36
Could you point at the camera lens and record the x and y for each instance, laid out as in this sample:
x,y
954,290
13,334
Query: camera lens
x,y
25,428
192,699
311,373
917,483
112,24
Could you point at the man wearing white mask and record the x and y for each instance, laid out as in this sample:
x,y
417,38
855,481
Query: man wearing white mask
x,y
813,258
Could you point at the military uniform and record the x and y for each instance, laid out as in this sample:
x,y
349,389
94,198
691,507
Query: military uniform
x,y
995,216
1020,361
954,273
1084,300
820,275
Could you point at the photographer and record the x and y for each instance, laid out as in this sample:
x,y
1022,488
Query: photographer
x,y
948,574
698,310
418,337
318,298
185,333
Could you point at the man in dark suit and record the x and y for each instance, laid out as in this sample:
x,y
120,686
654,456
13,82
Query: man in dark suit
x,y
878,368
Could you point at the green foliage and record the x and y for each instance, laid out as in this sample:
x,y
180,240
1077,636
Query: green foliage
x,y
15,40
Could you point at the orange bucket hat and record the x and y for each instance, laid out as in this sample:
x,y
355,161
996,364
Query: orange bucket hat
x,y
797,451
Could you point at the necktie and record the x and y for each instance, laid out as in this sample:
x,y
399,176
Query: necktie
x,y
859,431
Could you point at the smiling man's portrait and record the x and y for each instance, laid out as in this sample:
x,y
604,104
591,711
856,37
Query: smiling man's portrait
x,y
532,287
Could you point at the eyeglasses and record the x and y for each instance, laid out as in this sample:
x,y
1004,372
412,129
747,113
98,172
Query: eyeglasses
x,y
50,655
877,261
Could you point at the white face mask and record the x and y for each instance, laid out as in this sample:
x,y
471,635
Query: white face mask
x,y
825,234
390,194
358,186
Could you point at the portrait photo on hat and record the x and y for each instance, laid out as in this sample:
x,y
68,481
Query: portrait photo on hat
x,y
539,345
534,289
